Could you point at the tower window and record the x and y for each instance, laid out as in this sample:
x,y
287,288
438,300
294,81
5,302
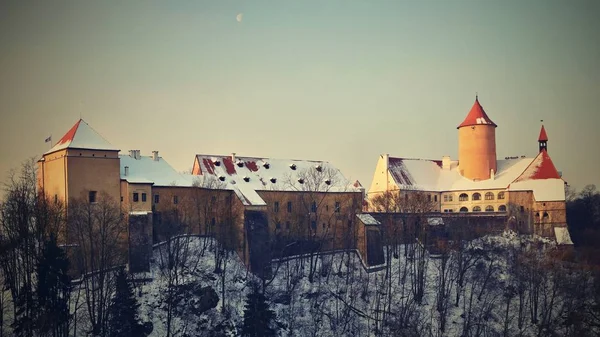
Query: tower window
x,y
136,197
143,197
92,196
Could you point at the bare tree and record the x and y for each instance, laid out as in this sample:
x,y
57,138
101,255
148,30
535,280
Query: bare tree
x,y
98,229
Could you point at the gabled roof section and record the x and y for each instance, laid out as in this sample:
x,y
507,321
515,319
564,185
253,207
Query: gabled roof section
x,y
477,116
541,167
82,136
247,175
146,170
428,175
543,136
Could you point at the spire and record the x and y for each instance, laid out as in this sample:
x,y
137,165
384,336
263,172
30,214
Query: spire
x,y
543,139
477,116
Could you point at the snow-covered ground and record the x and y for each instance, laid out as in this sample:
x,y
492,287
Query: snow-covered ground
x,y
342,299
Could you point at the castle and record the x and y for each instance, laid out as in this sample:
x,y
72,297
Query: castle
x,y
280,207
529,192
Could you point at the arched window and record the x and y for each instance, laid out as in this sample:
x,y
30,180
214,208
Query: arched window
x,y
464,209
489,208
500,195
546,216
476,209
463,197
501,208
537,215
476,196
489,196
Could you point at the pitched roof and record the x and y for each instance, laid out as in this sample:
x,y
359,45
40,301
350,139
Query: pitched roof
x,y
146,170
477,116
82,136
543,136
247,175
541,167
428,175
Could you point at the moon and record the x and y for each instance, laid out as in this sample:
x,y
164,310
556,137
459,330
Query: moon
x,y
239,17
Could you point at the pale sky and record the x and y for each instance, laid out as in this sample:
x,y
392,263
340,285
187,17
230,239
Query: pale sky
x,y
342,81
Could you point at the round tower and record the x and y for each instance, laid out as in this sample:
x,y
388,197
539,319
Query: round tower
x,y
477,144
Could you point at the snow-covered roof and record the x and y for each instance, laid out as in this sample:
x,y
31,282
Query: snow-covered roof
x,y
247,175
541,167
562,236
428,175
146,170
82,136
368,219
543,190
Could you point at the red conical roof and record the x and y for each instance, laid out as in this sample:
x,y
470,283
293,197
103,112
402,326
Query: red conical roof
x,y
477,116
543,136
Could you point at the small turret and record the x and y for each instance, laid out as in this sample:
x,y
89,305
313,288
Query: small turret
x,y
543,140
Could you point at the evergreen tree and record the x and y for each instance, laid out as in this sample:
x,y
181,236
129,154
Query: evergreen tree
x,y
53,291
257,315
124,320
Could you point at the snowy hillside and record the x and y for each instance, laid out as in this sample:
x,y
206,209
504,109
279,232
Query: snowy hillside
x,y
497,290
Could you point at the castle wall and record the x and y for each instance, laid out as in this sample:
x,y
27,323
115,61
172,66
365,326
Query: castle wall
x,y
52,175
477,151
547,215
92,170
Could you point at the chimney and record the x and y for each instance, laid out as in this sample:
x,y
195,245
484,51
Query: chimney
x,y
138,154
233,157
132,153
126,171
446,162
492,174
155,155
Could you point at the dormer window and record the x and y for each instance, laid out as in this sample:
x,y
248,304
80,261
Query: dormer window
x,y
240,163
328,181
319,168
246,179
221,178
293,166
217,163
266,165
273,180
301,181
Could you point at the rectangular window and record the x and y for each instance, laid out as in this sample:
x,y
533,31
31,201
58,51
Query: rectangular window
x,y
435,198
429,197
287,225
445,197
121,198
213,221
156,198
143,197
136,197
276,207
92,196
450,197
450,210
175,199
313,225
522,209
313,207
213,199
56,198
277,225
337,207
289,207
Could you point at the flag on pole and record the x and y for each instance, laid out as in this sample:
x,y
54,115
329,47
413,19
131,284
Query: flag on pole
x,y
48,139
